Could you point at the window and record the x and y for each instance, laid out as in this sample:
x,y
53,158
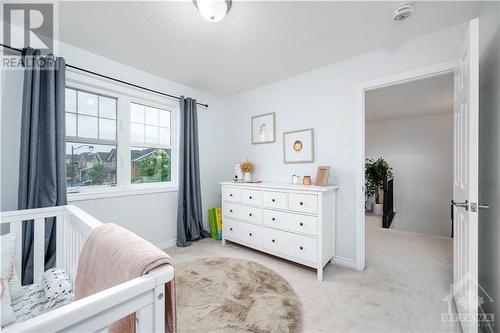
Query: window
x,y
91,145
118,136
150,136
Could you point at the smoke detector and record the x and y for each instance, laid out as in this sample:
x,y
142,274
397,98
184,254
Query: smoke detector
x,y
402,12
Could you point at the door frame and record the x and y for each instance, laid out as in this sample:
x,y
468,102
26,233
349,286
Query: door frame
x,y
362,88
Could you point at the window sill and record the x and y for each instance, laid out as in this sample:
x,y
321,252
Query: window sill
x,y
114,192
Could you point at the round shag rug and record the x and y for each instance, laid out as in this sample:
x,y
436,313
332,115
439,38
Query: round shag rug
x,y
234,295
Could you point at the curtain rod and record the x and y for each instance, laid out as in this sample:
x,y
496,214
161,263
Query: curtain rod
x,y
112,78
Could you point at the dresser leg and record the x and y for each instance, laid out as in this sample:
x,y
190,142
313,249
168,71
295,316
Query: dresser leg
x,y
223,241
320,274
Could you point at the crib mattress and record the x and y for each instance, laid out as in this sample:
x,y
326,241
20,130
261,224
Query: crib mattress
x,y
33,303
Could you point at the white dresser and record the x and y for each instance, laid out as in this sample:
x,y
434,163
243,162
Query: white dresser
x,y
295,222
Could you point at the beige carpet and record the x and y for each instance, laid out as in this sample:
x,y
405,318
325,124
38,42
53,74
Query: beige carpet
x,y
403,288
234,295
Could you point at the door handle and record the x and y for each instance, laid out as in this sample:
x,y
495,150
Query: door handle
x,y
464,204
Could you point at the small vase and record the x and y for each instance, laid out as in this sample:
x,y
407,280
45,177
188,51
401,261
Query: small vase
x,y
247,176
307,180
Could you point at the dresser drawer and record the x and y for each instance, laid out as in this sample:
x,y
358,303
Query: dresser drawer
x,y
245,213
301,247
275,200
243,232
306,203
293,222
231,194
251,197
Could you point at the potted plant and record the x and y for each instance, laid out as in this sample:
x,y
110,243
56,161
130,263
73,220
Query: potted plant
x,y
247,167
376,171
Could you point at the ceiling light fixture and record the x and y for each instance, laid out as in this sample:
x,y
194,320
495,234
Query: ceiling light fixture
x,y
402,12
213,10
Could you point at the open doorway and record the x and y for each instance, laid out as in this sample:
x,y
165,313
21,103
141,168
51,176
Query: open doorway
x,y
409,156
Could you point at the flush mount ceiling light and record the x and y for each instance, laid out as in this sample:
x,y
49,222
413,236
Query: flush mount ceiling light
x,y
213,10
402,12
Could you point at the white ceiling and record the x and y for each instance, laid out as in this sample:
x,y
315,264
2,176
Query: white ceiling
x,y
256,44
420,97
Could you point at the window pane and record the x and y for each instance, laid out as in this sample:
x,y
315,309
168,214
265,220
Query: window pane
x,y
151,134
107,107
151,116
87,126
107,129
150,165
70,100
88,165
164,136
87,103
164,118
136,132
70,124
136,113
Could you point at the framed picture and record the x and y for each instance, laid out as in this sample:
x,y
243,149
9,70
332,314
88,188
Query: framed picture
x,y
322,175
298,146
263,128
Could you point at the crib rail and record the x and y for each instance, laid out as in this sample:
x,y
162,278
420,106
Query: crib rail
x,y
73,226
143,295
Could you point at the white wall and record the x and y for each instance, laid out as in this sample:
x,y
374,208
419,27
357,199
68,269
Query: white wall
x,y
420,151
325,99
489,157
152,216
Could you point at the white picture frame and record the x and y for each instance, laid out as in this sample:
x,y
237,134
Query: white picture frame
x,y
264,128
298,146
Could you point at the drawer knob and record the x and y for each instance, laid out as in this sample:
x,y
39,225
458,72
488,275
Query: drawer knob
x,y
230,194
250,197
230,210
250,234
273,200
301,203
274,241
250,214
301,224
274,219
301,248
231,229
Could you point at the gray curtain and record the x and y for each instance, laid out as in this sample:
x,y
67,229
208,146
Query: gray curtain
x,y
190,211
42,179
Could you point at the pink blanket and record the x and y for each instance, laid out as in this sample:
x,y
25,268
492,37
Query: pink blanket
x,y
113,255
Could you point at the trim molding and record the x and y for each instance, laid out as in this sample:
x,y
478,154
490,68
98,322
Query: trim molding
x,y
345,262
359,157
167,244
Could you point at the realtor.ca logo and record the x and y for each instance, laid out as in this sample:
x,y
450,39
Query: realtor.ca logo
x,y
29,25
466,296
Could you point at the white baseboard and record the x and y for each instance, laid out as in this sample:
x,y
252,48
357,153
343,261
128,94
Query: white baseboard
x,y
167,244
346,262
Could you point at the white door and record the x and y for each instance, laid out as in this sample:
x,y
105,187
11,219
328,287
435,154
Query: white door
x,y
465,180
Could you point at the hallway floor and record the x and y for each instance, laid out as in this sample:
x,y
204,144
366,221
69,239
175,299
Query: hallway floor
x,y
402,289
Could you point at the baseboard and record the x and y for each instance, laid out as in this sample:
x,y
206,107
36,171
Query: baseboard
x,y
345,262
167,244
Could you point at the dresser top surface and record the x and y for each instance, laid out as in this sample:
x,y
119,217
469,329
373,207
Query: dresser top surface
x,y
283,186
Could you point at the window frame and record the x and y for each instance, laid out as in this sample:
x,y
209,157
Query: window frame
x,y
126,95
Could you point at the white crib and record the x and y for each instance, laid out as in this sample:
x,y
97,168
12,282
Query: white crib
x,y
143,295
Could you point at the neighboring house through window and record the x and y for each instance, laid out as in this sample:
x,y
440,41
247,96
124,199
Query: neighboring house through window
x,y
118,137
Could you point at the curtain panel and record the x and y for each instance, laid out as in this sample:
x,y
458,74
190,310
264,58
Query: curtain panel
x,y
42,176
190,210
